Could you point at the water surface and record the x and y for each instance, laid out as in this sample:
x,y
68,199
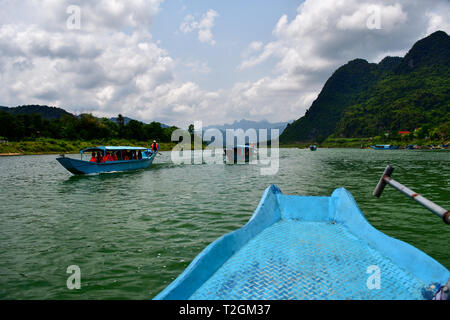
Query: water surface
x,y
133,233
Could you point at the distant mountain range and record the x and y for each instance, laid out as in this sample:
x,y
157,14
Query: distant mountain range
x,y
363,99
249,124
127,120
51,113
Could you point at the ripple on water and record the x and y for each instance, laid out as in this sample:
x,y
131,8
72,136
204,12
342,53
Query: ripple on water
x,y
133,233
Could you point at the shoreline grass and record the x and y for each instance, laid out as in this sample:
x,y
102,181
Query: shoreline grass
x,y
44,146
364,143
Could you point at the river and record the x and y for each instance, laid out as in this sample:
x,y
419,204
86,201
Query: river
x,y
133,233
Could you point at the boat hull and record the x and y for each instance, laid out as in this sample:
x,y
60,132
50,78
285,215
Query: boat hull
x,y
239,156
298,247
384,147
80,167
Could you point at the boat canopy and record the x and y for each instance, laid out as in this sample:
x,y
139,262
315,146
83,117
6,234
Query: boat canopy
x,y
103,149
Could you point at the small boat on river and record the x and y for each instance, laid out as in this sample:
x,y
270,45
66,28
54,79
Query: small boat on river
x,y
121,159
313,147
384,147
308,247
241,154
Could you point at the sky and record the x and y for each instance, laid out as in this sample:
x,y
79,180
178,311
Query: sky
x,y
179,61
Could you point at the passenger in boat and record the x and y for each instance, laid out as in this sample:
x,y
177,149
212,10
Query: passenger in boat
x,y
99,157
93,157
109,158
114,157
126,157
139,155
133,155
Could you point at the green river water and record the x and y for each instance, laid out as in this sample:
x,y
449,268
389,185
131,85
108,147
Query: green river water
x,y
133,233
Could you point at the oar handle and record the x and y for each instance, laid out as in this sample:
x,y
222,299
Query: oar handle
x,y
382,183
430,205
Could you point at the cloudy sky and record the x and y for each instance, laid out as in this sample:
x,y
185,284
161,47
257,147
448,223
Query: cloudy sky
x,y
179,61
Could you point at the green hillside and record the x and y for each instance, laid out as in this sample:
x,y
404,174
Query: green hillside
x,y
46,112
364,99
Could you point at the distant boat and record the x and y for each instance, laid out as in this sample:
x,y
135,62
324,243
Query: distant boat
x,y
81,166
241,154
308,248
313,147
384,147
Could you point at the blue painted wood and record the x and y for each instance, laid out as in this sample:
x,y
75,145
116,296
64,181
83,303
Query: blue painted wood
x,y
297,247
85,167
115,148
384,147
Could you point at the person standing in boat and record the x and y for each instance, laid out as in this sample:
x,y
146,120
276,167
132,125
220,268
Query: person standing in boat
x,y
155,147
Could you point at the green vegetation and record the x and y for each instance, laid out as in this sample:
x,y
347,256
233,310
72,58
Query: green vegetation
x,y
86,127
369,100
30,133
46,112
55,146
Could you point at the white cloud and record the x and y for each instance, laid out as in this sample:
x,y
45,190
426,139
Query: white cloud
x,y
203,26
197,66
112,65
389,17
102,68
439,21
324,35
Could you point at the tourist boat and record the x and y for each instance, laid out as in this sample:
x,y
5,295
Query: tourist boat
x,y
313,147
81,166
384,147
308,247
241,154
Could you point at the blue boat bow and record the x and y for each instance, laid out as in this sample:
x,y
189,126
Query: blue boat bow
x,y
299,247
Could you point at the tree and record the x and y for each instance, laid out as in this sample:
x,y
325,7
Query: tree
x,y
120,121
135,130
191,129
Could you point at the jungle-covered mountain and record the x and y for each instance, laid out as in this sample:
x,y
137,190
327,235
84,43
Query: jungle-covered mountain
x,y
363,99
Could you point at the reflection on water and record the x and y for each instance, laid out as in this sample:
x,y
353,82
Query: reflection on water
x,y
132,233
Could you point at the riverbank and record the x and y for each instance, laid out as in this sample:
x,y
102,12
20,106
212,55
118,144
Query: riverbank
x,y
56,146
364,143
